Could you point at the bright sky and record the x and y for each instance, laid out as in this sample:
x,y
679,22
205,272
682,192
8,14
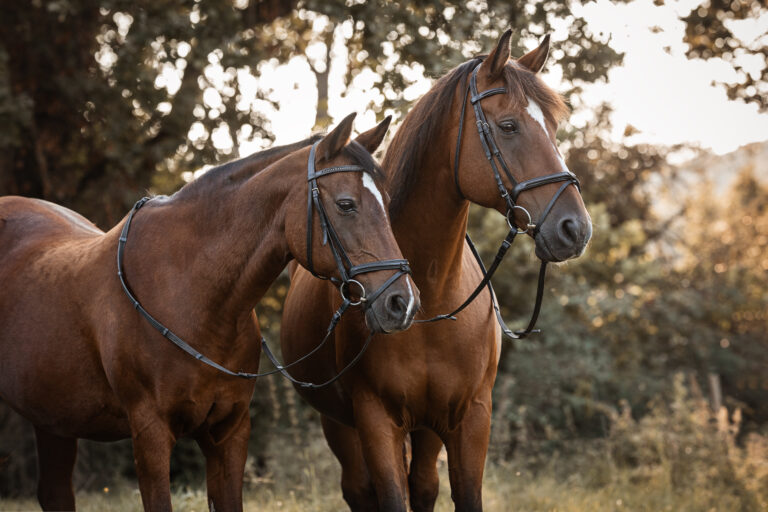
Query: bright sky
x,y
665,96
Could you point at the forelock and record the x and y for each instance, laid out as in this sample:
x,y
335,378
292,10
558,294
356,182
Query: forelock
x,y
522,84
355,151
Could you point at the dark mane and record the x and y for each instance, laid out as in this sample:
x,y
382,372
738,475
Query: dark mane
x,y
239,170
416,137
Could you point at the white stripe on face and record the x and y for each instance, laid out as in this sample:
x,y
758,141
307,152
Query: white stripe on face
x,y
410,298
373,189
535,112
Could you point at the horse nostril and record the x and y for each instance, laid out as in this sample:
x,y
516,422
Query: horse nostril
x,y
396,305
568,230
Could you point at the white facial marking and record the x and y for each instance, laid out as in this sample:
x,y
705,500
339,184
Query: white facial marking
x,y
534,110
497,334
410,298
373,189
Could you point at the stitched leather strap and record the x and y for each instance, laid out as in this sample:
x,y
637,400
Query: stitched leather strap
x,y
344,265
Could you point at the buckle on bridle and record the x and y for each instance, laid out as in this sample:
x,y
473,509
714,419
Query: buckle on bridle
x,y
345,294
511,221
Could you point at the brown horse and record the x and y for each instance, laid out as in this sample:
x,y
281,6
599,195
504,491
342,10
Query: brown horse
x,y
434,381
78,360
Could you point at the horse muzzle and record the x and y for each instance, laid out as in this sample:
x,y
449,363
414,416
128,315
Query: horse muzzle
x,y
394,310
564,239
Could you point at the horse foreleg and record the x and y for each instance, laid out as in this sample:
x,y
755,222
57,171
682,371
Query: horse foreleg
x,y
382,446
56,460
225,454
356,484
423,481
152,445
467,446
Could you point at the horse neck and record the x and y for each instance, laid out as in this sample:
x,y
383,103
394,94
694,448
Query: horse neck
x,y
431,226
215,252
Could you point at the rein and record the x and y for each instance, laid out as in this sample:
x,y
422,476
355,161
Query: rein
x,y
346,269
493,155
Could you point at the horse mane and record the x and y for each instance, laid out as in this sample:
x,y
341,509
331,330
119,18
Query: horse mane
x,y
238,171
417,136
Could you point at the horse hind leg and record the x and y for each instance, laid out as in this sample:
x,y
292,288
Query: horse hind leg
x,y
56,461
423,481
356,484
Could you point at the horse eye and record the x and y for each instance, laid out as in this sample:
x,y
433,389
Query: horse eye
x,y
508,126
346,205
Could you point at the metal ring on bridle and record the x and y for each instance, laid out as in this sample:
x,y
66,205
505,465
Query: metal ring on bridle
x,y
345,295
511,222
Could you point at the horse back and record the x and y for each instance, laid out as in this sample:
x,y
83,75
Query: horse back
x,y
23,218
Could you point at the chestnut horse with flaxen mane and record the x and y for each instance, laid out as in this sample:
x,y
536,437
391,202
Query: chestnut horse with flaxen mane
x,y
80,359
434,381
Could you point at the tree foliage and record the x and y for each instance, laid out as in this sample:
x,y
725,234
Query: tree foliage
x,y
679,288
97,97
709,32
88,115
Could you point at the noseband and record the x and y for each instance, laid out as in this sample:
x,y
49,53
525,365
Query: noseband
x,y
496,160
347,273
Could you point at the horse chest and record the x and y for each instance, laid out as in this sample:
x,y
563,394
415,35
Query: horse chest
x,y
446,368
203,403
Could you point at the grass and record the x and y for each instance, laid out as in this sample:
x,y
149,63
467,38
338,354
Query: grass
x,y
680,457
507,488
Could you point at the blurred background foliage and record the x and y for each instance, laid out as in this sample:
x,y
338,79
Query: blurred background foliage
x,y
675,281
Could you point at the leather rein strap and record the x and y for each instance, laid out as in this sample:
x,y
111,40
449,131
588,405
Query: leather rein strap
x,y
347,271
496,160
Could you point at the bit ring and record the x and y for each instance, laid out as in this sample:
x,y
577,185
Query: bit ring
x,y
511,221
345,292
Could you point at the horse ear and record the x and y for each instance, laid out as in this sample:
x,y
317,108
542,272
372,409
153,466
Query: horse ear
x,y
494,63
371,139
337,139
535,59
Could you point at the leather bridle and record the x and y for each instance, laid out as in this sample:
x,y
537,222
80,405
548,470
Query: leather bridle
x,y
496,160
347,272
